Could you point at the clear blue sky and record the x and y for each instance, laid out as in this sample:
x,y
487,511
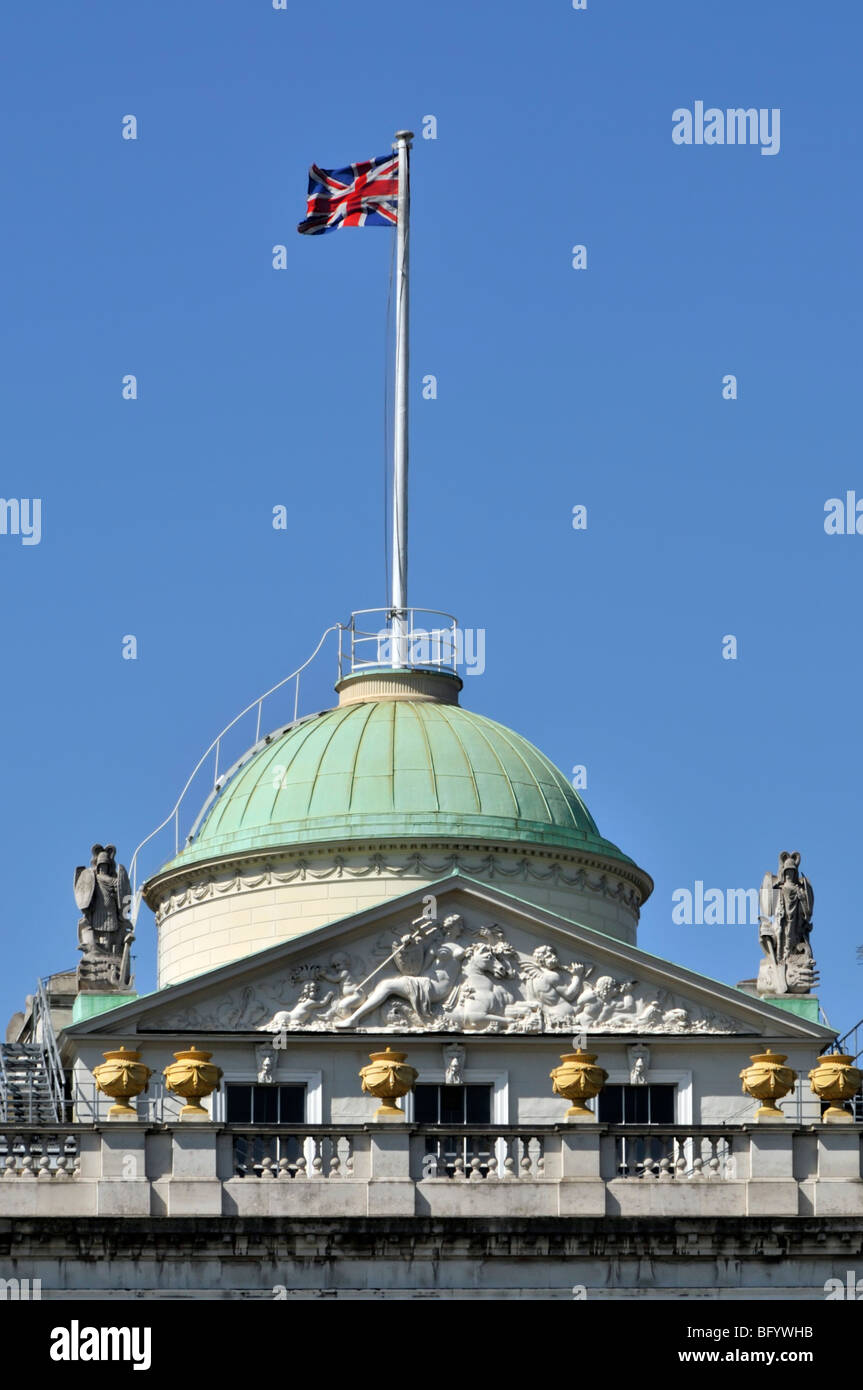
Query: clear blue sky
x,y
259,387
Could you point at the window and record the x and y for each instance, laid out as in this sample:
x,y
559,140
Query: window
x,y
452,1105
642,1106
455,1106
636,1105
265,1105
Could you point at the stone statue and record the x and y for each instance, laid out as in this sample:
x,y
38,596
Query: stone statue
x,y
105,934
786,902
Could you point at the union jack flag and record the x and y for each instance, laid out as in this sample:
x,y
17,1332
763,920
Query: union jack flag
x,y
363,195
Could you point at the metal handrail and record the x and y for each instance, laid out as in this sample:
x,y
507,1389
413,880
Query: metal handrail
x,y
159,1106
445,639
444,655
43,1033
215,746
840,1044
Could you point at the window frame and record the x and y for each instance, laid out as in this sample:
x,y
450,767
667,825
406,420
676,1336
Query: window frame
x,y
498,1080
248,1076
462,1087
264,1088
681,1080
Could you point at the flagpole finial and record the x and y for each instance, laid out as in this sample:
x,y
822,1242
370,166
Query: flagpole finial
x,y
406,135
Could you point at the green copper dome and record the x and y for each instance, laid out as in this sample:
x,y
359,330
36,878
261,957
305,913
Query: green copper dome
x,y
395,769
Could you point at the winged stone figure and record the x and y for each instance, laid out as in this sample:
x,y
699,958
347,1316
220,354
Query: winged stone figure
x,y
103,895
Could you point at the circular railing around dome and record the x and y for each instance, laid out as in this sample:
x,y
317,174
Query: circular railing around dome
x,y
418,638
437,648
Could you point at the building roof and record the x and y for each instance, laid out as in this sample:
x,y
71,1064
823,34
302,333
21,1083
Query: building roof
x,y
385,769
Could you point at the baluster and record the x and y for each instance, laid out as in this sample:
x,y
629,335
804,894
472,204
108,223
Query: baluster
x,y
300,1167
697,1174
492,1167
475,1174
508,1160
458,1167
665,1173
312,1144
267,1168
10,1166
335,1164
680,1162
648,1170
535,1151
525,1164
44,1168
27,1167
61,1169
342,1150
284,1168
713,1163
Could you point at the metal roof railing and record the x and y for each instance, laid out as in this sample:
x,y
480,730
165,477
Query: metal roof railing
x,y
427,639
214,750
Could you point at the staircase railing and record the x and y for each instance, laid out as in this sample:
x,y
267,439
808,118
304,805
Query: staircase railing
x,y
430,640
44,1035
4,1089
850,1042
218,781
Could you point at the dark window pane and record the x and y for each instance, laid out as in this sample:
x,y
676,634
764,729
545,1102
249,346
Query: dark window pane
x,y
239,1107
265,1107
425,1105
611,1105
478,1104
661,1105
636,1105
452,1105
292,1105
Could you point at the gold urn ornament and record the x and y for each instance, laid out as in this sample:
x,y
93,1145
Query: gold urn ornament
x,y
388,1077
836,1079
767,1079
121,1076
578,1079
193,1076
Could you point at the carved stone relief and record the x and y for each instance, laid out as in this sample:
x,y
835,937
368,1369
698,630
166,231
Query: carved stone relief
x,y
444,976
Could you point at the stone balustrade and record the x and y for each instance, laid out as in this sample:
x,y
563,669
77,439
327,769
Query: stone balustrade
x,y
137,1169
40,1153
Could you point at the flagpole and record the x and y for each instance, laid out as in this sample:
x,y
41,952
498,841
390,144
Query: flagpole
x,y
399,605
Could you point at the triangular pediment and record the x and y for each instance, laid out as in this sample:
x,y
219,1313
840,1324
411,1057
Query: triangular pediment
x,y
455,957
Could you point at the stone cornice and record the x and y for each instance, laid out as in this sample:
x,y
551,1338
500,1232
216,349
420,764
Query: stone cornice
x,y
195,883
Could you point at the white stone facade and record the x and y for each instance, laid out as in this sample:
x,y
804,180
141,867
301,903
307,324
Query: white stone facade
x,y
210,915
